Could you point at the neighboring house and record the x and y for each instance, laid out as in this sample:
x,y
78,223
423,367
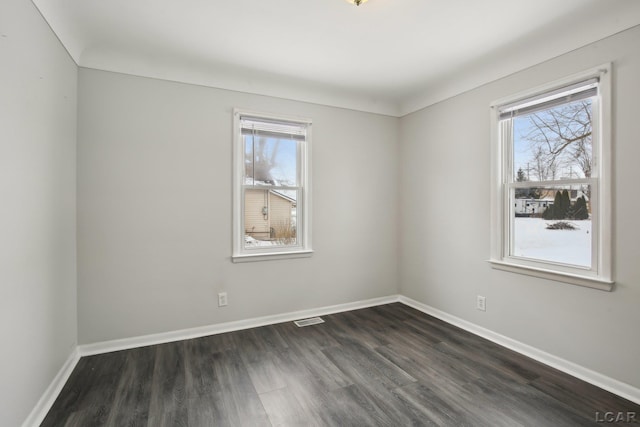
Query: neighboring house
x,y
531,207
535,207
266,212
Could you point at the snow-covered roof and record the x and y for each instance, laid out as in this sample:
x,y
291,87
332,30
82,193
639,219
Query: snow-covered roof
x,y
289,195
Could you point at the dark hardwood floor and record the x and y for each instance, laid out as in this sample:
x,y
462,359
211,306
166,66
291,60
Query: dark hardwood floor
x,y
383,366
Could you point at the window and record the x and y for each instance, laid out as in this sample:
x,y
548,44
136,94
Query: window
x,y
551,192
271,196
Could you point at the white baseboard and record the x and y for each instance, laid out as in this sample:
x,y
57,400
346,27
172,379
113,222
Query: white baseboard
x,y
46,401
201,331
50,395
607,383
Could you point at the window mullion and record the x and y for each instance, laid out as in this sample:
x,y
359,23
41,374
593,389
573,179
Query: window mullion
x,y
555,183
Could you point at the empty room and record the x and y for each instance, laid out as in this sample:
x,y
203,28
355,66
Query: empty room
x,y
320,213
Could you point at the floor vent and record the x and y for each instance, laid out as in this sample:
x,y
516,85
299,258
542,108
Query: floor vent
x,y
307,322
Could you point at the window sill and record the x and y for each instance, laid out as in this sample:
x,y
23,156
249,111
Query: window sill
x,y
589,282
271,256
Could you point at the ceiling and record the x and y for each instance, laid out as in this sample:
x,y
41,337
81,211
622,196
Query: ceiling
x,y
386,56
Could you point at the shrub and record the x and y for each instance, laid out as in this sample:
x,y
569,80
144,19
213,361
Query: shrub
x,y
284,233
580,210
561,225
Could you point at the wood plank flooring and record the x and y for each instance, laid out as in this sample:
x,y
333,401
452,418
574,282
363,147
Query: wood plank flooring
x,y
383,366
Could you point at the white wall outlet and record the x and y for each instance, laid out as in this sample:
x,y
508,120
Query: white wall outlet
x,y
222,299
481,303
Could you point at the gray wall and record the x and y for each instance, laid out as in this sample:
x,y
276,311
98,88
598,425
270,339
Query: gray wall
x,y
154,209
38,83
445,222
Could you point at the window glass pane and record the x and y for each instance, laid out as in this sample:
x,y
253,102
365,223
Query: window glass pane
x,y
554,143
552,224
270,218
271,160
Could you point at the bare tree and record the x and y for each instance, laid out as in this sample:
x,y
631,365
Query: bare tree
x,y
545,165
260,161
560,138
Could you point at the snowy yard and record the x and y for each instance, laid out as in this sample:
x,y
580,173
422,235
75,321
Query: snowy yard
x,y
533,240
250,242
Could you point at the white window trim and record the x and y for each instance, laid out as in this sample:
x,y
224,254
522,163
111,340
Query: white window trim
x,y
239,254
601,277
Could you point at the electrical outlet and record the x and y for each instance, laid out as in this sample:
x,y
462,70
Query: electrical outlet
x,y
481,303
222,299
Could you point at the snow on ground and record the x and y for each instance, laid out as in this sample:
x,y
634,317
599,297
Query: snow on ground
x,y
250,242
533,240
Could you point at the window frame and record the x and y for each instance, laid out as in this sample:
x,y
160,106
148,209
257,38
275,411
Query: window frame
x,y
600,276
303,205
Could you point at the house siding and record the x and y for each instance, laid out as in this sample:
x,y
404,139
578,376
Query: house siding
x,y
254,221
279,209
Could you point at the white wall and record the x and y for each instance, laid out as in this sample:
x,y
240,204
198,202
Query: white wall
x,y
38,83
445,222
154,209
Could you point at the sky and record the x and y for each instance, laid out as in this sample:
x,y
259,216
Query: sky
x,y
285,167
523,155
